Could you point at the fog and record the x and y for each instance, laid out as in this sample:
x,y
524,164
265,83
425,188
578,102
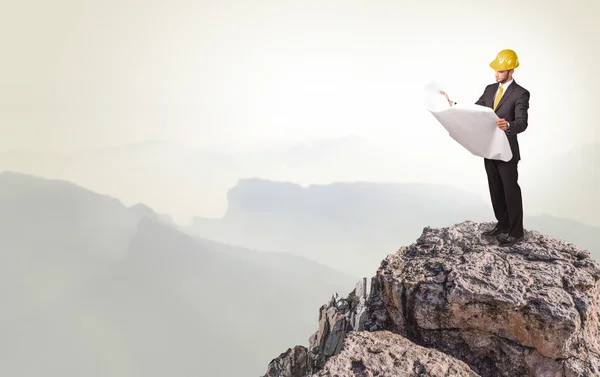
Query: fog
x,y
235,77
184,183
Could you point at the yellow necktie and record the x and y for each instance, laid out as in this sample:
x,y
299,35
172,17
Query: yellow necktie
x,y
498,96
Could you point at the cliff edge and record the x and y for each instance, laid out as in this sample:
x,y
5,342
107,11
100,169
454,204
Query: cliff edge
x,y
455,303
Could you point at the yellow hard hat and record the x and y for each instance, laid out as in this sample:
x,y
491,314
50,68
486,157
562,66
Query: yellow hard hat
x,y
505,60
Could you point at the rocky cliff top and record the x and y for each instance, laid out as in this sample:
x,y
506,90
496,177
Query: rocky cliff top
x,y
456,300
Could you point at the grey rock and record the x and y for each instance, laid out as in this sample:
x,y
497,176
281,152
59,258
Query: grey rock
x,y
334,324
295,362
527,310
384,353
336,319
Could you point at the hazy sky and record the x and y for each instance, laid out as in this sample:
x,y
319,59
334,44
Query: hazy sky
x,y
237,75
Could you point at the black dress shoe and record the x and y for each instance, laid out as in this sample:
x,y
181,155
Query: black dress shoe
x,y
494,232
510,240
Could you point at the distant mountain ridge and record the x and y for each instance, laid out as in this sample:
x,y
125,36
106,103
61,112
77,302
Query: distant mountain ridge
x,y
145,171
261,195
353,225
80,268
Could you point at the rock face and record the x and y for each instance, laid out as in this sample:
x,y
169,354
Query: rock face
x,y
336,319
532,309
389,354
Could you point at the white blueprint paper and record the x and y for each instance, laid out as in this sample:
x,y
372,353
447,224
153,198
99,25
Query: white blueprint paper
x,y
472,126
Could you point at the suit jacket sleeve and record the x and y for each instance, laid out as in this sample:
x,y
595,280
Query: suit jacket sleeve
x,y
520,123
481,100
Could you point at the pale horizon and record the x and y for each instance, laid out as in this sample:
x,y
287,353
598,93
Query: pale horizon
x,y
243,79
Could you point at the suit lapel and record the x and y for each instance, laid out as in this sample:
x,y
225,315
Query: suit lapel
x,y
489,100
509,91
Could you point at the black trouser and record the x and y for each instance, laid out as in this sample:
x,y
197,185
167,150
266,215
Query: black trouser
x,y
506,194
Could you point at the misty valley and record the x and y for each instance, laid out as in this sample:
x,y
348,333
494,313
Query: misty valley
x,y
92,287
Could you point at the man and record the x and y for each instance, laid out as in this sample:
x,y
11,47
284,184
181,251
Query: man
x,y
510,101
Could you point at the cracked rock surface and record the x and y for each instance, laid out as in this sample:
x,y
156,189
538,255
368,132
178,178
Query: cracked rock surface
x,y
336,319
527,310
384,353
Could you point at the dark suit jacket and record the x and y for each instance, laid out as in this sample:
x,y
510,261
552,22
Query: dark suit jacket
x,y
513,107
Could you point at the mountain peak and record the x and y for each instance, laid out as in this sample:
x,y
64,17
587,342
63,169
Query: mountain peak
x,y
530,309
254,194
142,210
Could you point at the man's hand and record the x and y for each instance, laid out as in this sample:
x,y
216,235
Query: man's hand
x,y
502,124
448,99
